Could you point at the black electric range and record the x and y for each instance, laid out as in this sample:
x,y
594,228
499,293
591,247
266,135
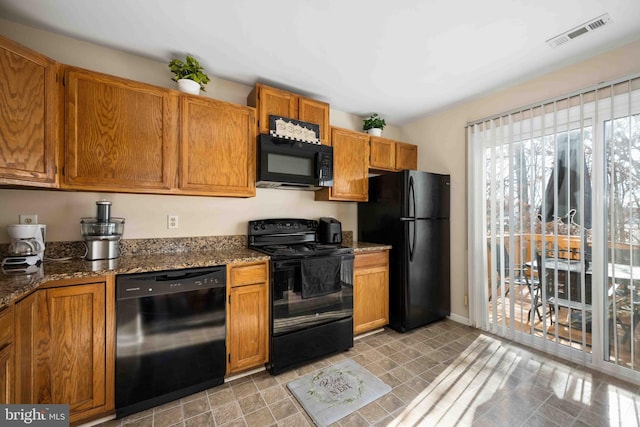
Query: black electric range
x,y
311,291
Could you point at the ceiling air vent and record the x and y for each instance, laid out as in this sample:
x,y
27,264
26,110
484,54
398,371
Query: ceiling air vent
x,y
588,26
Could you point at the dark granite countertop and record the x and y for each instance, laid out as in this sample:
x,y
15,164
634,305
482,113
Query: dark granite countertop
x,y
359,247
13,287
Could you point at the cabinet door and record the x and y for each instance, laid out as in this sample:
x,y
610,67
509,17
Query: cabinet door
x,y
383,154
29,116
269,100
120,135
248,329
350,167
370,292
6,355
6,374
32,344
64,345
406,156
218,148
316,112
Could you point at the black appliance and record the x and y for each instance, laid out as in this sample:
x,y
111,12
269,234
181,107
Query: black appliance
x,y
289,164
329,230
170,336
409,210
311,292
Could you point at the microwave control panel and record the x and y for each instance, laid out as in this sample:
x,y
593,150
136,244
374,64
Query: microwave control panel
x,y
325,169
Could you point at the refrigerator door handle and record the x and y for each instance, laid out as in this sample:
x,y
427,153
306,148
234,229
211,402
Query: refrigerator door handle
x,y
412,198
412,239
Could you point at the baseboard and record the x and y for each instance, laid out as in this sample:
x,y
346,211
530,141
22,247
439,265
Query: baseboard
x,y
366,334
459,319
243,374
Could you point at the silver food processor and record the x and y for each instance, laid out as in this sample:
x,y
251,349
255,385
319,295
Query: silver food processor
x,y
102,233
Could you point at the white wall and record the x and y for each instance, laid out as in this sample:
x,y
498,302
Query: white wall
x,y
146,215
441,137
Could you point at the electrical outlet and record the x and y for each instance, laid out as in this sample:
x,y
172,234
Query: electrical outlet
x,y
28,218
466,300
172,221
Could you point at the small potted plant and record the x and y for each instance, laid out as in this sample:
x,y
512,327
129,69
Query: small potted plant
x,y
189,74
374,124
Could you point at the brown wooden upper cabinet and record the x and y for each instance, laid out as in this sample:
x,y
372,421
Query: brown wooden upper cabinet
x,y
217,148
390,155
132,137
30,125
272,101
406,156
121,135
350,167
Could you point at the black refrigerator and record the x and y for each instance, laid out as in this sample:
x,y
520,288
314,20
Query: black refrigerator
x,y
409,210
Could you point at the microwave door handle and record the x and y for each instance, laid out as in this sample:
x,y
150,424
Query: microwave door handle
x,y
318,167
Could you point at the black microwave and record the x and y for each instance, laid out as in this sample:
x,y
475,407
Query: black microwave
x,y
289,164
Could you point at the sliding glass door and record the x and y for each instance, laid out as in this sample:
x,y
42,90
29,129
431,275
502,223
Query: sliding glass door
x,y
555,225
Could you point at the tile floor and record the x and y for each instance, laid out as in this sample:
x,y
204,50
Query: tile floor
x,y
442,374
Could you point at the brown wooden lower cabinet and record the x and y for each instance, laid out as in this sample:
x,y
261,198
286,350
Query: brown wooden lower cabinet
x,y
247,316
370,291
6,355
64,346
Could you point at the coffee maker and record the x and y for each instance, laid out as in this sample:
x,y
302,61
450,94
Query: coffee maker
x,y
27,245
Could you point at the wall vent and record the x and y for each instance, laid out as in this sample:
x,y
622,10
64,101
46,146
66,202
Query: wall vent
x,y
588,26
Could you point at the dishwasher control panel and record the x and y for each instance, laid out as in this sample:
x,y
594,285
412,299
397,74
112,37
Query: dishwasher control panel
x,y
139,285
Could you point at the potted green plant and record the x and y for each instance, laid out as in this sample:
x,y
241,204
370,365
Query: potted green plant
x,y
189,74
374,124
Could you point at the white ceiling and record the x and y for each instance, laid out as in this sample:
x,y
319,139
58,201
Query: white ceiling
x,y
402,58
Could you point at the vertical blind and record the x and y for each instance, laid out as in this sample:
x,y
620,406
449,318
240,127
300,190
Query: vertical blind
x,y
554,225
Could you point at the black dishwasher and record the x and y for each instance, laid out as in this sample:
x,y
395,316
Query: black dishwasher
x,y
170,335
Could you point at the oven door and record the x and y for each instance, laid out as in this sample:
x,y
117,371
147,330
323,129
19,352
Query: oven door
x,y
310,291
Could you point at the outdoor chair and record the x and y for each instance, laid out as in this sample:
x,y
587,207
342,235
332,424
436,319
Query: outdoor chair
x,y
521,275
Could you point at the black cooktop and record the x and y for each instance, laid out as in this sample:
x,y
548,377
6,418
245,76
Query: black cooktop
x,y
290,238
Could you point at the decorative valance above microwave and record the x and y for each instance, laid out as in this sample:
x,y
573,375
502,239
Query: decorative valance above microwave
x,y
296,130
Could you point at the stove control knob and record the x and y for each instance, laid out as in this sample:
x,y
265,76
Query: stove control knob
x,y
262,227
255,227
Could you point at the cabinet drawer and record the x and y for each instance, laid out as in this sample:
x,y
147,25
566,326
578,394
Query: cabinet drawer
x,y
6,326
372,259
248,274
